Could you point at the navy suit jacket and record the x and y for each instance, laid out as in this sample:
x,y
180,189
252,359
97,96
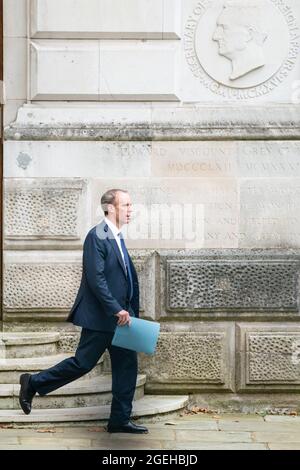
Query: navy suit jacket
x,y
103,289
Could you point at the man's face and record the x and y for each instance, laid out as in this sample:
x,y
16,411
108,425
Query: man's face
x,y
123,208
231,36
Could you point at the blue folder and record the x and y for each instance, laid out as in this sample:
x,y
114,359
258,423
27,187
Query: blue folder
x,y
140,336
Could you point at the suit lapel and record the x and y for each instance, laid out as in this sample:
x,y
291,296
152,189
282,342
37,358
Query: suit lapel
x,y
117,251
104,232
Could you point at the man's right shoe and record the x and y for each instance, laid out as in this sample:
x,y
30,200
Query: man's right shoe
x,y
128,428
26,393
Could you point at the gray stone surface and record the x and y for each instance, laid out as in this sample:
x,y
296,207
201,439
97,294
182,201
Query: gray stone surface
x,y
40,212
268,356
202,284
269,212
191,361
207,122
11,368
226,148
82,393
56,281
198,431
233,283
55,286
68,342
14,345
232,158
178,212
148,405
280,402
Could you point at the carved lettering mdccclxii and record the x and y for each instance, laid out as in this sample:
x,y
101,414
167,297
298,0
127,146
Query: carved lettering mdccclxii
x,y
235,285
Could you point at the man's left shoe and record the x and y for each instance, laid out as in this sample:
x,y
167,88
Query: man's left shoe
x,y
129,427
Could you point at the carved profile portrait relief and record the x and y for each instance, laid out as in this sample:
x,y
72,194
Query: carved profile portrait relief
x,y
239,44
240,36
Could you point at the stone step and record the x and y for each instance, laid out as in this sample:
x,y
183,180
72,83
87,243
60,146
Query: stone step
x,y
12,368
149,405
19,345
92,392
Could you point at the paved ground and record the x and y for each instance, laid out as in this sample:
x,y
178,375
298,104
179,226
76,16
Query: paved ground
x,y
191,431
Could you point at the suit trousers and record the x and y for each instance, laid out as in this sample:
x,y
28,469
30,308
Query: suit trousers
x,y
91,346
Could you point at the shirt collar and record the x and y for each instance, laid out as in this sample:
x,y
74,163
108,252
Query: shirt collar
x,y
115,230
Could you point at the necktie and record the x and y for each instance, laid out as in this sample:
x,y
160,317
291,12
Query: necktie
x,y
127,264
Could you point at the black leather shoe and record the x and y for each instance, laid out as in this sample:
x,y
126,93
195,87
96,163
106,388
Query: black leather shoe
x,y
26,393
129,427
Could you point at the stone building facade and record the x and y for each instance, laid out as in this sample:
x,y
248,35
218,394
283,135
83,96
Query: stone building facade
x,y
194,107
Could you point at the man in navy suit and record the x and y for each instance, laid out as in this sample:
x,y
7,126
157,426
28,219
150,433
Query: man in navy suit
x,y
108,295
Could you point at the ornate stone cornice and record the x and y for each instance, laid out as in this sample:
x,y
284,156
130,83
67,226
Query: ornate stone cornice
x,y
205,122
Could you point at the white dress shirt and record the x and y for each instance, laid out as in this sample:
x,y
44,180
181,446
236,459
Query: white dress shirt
x,y
115,230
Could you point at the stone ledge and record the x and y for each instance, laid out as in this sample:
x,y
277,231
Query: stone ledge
x,y
19,339
151,122
148,405
11,368
99,384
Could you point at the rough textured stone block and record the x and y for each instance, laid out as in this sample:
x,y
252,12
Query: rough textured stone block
x,y
189,360
269,357
39,210
39,283
234,284
68,342
39,286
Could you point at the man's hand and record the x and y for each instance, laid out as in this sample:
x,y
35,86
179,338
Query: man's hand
x,y
124,318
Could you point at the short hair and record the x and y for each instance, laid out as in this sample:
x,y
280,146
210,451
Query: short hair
x,y
109,197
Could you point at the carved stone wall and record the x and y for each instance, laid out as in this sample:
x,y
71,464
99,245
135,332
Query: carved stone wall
x,y
30,287
47,286
269,357
236,284
44,211
192,360
193,106
68,342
